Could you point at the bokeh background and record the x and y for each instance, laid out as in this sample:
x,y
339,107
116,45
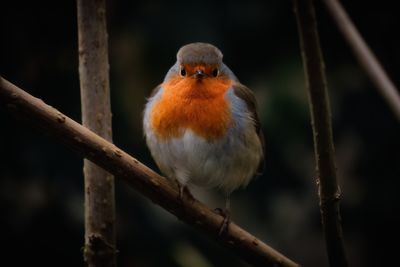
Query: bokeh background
x,y
41,183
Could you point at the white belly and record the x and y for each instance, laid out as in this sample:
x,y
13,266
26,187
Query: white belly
x,y
227,164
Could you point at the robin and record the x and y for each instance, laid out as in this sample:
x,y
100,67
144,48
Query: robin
x,y
202,127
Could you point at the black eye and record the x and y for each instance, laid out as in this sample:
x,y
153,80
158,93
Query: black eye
x,y
183,71
215,72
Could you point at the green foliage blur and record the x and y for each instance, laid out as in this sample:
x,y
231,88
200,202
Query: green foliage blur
x,y
41,181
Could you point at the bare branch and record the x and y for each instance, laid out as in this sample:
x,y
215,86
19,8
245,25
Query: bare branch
x,y
158,189
329,192
365,56
96,115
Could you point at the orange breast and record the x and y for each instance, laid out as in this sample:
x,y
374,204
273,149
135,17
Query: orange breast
x,y
199,105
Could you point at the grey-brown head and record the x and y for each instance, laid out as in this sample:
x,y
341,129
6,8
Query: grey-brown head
x,y
194,54
199,53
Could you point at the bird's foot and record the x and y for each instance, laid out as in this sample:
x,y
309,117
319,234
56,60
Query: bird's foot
x,y
226,214
184,192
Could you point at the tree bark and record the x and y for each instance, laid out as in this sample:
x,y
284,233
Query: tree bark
x,y
328,189
100,241
157,188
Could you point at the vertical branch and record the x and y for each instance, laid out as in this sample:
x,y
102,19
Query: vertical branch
x,y
96,115
328,189
365,56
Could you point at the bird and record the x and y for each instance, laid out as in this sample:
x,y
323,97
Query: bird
x,y
202,127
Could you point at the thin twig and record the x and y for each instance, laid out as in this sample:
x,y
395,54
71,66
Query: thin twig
x,y
158,189
100,238
365,56
329,192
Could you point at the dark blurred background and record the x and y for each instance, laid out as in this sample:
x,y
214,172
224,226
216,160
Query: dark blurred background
x,y
41,183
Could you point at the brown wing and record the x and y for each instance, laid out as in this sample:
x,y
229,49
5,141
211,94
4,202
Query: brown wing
x,y
248,97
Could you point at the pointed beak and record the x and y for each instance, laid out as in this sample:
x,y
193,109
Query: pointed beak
x,y
199,74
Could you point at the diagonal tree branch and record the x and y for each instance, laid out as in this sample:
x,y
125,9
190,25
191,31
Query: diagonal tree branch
x,y
158,189
365,56
328,189
96,115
